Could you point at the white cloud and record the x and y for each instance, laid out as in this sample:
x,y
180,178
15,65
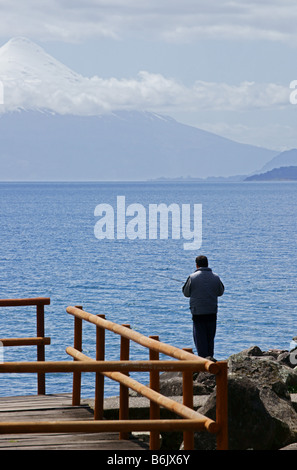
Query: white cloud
x,y
147,91
171,20
246,95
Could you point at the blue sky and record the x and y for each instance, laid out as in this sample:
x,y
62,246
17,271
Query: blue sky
x,y
224,66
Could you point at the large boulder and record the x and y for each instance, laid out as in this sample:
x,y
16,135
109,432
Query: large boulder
x,y
261,414
257,418
265,370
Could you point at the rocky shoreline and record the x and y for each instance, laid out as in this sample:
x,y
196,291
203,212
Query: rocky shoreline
x,y
262,402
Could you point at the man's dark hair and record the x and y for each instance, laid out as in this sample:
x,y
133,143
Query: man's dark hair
x,y
202,261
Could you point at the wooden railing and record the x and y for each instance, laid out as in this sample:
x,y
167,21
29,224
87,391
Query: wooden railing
x,y
40,340
185,361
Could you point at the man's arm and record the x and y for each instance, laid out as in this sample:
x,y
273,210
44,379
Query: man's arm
x,y
221,288
187,287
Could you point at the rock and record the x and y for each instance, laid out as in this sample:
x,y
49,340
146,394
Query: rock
x,y
139,407
265,370
271,378
252,351
290,447
171,383
247,417
261,413
258,419
284,416
285,358
294,400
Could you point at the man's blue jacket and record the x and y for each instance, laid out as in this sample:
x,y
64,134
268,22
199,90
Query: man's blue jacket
x,y
203,287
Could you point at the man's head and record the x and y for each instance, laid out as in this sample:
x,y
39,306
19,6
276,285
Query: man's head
x,y
201,261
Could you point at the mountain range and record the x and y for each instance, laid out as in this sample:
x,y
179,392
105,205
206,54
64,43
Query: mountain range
x,y
53,127
282,167
284,173
287,158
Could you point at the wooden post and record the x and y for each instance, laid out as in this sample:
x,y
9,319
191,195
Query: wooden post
x,y
99,378
40,347
188,401
124,390
76,391
40,341
154,407
222,406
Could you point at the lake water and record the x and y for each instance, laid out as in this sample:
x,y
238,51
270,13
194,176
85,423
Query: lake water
x,y
48,248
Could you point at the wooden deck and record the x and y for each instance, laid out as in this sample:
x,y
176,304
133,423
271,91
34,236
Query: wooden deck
x,y
51,408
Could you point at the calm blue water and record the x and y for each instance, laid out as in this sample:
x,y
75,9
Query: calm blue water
x,y
48,248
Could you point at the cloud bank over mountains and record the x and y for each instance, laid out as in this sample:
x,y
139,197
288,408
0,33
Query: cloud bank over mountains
x,y
34,79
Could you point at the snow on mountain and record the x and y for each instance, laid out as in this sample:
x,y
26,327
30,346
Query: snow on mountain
x,y
22,59
33,79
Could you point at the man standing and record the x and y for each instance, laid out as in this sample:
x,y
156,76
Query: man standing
x,y
203,287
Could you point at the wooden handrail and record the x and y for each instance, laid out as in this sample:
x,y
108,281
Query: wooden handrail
x,y
24,302
192,419
91,365
143,340
100,426
220,426
24,341
147,392
183,360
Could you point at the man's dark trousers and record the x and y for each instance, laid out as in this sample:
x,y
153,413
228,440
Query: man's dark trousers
x,y
204,330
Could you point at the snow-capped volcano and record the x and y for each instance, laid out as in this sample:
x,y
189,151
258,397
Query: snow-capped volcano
x,y
22,59
93,128
33,79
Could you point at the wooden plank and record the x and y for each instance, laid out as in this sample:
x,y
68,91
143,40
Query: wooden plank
x,y
108,441
56,408
35,402
65,398
96,445
62,414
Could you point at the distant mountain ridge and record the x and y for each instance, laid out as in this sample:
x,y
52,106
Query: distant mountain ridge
x,y
283,159
285,173
120,146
